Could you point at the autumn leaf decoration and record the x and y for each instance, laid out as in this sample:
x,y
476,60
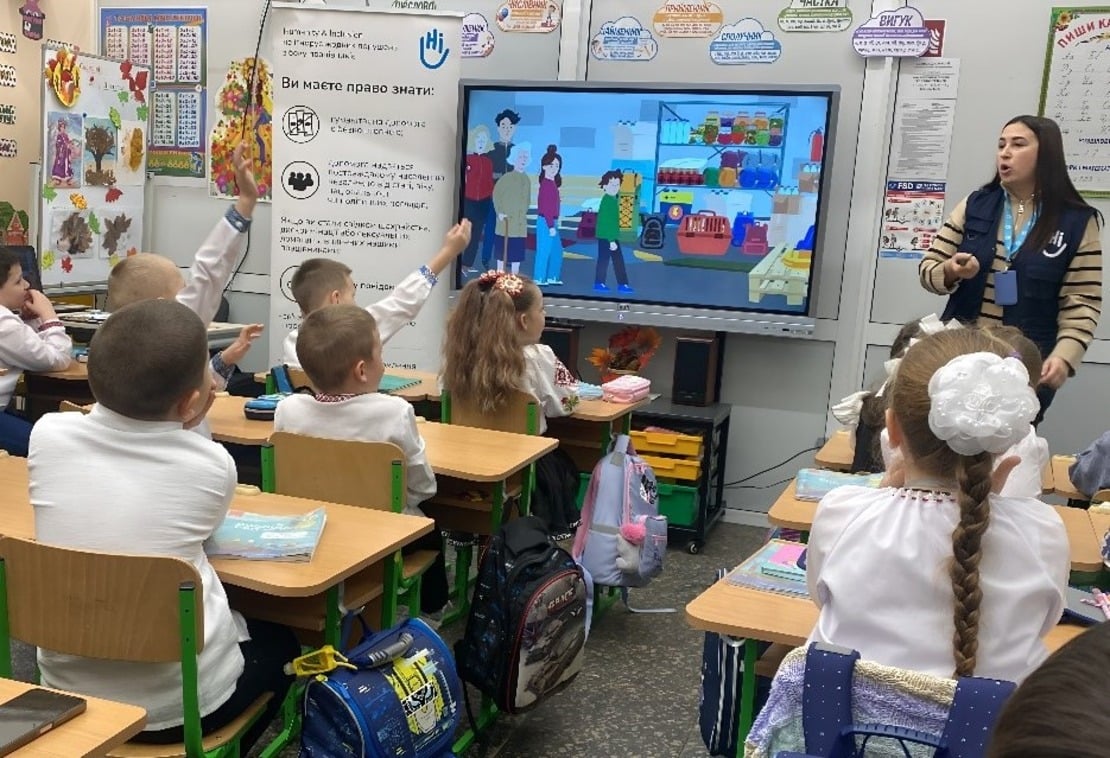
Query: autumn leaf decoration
x,y
630,349
113,194
67,264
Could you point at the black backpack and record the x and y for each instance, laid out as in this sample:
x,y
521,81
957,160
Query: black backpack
x,y
555,499
527,626
653,234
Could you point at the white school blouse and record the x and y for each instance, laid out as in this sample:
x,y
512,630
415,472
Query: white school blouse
x,y
550,382
877,567
1025,478
373,417
107,482
391,313
24,348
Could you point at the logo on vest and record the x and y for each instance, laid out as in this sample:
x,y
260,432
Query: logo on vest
x,y
1056,246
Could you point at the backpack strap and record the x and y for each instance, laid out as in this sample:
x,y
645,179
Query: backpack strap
x,y
282,382
971,718
826,695
578,549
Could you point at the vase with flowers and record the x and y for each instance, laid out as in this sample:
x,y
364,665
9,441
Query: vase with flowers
x,y
629,351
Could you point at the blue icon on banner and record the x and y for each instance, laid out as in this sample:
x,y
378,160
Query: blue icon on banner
x,y
432,45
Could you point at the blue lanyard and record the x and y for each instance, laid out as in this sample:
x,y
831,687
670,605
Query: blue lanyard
x,y
1013,245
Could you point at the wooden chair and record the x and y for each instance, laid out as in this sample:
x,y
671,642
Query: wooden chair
x,y
363,474
138,608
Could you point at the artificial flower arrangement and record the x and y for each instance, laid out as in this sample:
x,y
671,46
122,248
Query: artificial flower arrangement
x,y
630,349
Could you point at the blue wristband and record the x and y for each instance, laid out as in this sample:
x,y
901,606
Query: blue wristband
x,y
222,368
427,274
236,219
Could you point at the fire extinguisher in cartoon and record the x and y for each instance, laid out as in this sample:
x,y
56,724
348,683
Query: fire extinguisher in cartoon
x,y
816,145
414,680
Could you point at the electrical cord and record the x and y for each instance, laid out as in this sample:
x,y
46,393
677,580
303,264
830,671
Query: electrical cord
x,y
246,112
733,485
758,486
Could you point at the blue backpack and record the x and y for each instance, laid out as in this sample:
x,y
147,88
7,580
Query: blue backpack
x,y
400,699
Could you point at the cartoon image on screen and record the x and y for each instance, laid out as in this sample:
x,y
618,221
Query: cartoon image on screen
x,y
705,199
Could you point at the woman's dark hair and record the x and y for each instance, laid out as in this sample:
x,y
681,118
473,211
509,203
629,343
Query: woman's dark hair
x,y
1053,187
1060,710
550,157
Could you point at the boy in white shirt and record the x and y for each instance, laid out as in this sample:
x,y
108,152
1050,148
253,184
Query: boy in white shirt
x,y
31,339
128,478
341,352
323,281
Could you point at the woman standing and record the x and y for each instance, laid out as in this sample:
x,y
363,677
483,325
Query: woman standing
x,y
1024,250
549,246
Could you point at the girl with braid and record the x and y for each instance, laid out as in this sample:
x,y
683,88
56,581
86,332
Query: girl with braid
x,y
942,574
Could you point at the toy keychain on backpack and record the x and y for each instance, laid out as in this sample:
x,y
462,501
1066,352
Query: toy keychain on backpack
x,y
322,661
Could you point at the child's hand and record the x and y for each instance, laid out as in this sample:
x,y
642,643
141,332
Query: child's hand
x,y
234,352
39,306
458,237
243,162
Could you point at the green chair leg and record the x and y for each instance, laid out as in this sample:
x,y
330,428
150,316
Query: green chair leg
x,y
391,583
486,716
464,555
290,723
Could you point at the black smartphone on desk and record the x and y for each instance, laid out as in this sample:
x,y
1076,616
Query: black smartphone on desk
x,y
34,713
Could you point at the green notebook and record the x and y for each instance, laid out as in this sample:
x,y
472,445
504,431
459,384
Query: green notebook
x,y
393,383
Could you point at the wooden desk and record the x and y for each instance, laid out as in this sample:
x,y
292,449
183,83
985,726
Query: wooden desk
x,y
1100,523
103,726
836,453
791,513
480,455
767,617
1061,482
77,371
228,424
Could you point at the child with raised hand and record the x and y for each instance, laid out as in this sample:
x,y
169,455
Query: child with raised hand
x,y
127,478
342,354
147,276
878,558
324,281
31,339
492,348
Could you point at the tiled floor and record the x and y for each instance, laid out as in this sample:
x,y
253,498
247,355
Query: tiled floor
x,y
638,694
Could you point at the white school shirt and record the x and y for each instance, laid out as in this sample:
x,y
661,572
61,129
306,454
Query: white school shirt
x,y
24,348
1025,478
373,417
877,567
106,482
391,313
550,382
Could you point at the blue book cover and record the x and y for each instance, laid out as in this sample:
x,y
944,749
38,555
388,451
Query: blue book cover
x,y
391,383
258,537
773,568
815,483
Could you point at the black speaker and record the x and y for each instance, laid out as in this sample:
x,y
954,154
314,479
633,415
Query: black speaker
x,y
563,341
697,369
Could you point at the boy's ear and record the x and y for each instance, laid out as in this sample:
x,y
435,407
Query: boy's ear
x,y
333,297
186,407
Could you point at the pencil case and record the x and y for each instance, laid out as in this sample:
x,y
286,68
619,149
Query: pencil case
x,y
262,408
626,389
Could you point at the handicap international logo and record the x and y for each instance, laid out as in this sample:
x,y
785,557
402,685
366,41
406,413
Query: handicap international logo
x,y
898,33
477,38
623,40
746,41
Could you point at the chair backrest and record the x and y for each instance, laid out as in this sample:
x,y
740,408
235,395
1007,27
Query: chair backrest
x,y
98,605
298,378
364,474
67,406
520,414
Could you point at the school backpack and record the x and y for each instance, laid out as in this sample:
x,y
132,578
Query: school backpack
x,y
653,233
400,698
555,499
526,630
587,225
622,538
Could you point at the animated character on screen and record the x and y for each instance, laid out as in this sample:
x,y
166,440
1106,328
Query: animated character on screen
x,y
549,246
511,195
506,122
477,192
608,234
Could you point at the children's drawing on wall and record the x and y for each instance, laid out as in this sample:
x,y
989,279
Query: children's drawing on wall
x,y
121,231
14,225
72,233
100,152
512,196
549,248
609,234
64,149
232,101
478,193
131,152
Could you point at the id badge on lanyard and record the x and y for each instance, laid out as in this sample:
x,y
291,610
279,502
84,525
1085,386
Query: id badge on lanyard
x,y
1005,282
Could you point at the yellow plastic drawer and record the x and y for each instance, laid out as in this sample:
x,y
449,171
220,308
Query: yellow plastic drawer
x,y
673,468
686,445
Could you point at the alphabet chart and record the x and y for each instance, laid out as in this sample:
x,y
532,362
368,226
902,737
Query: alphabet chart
x,y
1074,93
173,42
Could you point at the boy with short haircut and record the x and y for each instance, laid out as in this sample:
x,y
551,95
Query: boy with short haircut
x,y
324,281
127,478
31,339
341,353
147,276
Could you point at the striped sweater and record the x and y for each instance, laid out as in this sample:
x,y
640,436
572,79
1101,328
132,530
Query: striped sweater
x,y
1080,292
